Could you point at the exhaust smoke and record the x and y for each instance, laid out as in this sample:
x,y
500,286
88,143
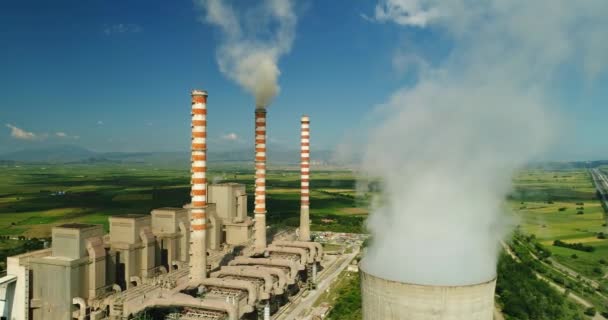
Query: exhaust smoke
x,y
250,50
446,148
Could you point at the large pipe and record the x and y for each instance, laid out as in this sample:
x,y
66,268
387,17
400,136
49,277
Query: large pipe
x,y
280,275
260,179
248,272
184,300
97,265
252,293
305,179
82,307
315,249
269,262
292,251
198,222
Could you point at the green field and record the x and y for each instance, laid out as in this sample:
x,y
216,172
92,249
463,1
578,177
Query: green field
x,y
32,199
562,205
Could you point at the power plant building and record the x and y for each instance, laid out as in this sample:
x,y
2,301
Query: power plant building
x,y
209,259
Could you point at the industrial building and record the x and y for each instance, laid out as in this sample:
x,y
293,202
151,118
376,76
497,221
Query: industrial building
x,y
206,260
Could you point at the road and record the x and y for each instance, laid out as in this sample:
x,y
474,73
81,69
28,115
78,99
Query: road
x,y
301,304
601,184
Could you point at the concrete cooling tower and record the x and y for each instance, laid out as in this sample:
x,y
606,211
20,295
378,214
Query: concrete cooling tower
x,y
391,300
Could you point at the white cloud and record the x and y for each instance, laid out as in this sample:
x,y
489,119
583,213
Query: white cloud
x,y
100,123
63,135
231,137
122,28
21,134
404,12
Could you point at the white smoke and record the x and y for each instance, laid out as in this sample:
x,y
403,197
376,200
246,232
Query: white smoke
x,y
448,146
249,55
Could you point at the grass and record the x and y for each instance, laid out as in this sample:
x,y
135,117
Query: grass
x,y
345,297
546,204
30,205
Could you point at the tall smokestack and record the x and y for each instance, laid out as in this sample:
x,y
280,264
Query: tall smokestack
x,y
305,179
198,222
260,179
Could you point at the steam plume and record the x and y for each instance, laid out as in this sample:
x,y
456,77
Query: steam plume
x,y
447,146
249,55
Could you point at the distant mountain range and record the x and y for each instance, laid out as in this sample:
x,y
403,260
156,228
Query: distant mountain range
x,y
76,154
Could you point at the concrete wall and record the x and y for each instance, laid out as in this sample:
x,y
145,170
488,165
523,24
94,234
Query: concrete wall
x,y
390,300
125,229
228,198
69,239
55,282
19,266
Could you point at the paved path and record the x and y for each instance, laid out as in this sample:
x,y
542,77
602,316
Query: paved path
x,y
302,304
498,314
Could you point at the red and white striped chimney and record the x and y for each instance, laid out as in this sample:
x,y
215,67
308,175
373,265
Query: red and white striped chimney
x,y
305,179
198,219
260,179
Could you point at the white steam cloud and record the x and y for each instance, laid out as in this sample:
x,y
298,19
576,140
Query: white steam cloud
x,y
249,54
448,146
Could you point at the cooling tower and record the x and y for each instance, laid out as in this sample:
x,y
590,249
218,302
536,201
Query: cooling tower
x,y
392,300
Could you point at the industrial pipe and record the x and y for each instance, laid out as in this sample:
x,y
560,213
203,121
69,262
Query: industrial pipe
x,y
234,284
248,272
310,246
290,250
293,268
82,310
184,300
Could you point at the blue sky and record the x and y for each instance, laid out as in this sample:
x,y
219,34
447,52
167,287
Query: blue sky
x,y
115,75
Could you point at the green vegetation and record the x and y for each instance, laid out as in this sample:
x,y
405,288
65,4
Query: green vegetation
x,y
574,246
34,198
345,296
547,204
31,202
539,200
523,296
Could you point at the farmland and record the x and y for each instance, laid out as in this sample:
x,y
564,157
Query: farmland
x,y
34,198
562,205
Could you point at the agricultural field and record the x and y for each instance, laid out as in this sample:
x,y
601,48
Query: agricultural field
x,y
34,198
562,205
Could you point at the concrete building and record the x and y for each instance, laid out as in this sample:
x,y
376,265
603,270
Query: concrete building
x,y
392,300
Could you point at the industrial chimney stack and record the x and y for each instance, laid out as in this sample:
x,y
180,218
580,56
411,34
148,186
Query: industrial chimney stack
x,y
198,221
305,179
260,179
